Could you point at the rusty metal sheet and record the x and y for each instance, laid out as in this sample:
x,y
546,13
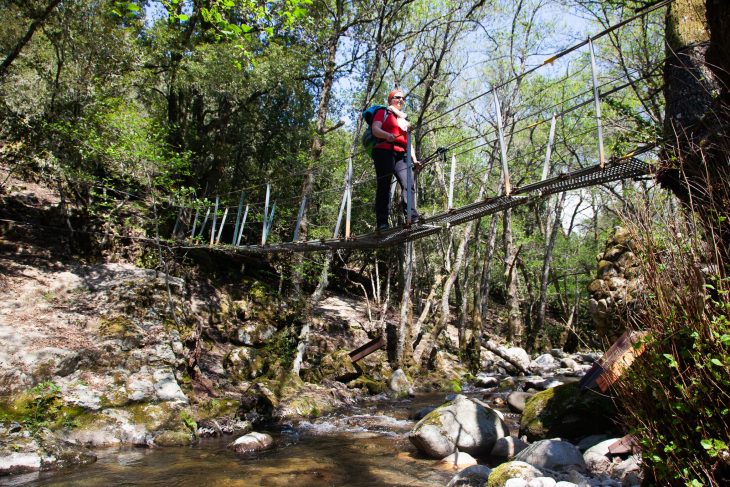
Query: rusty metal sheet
x,y
367,349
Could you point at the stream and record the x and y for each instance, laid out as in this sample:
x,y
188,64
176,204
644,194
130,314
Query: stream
x,y
365,445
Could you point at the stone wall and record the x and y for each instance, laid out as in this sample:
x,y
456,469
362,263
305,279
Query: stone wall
x,y
616,285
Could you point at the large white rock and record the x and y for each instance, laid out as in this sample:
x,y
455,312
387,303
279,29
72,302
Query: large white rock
x,y
399,383
552,454
19,463
519,355
461,424
596,457
457,461
252,442
166,386
544,363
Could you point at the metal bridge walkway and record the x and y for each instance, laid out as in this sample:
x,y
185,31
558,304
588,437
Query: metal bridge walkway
x,y
630,167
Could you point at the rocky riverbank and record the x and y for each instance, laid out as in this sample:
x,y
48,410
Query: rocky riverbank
x,y
110,353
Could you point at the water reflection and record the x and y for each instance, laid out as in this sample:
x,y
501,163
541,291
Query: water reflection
x,y
365,446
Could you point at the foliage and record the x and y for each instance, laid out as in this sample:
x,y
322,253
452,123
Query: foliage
x,y
677,393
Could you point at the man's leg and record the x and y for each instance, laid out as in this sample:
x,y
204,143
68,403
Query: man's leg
x,y
383,160
401,174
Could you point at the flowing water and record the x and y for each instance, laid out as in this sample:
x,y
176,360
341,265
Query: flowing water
x,y
364,446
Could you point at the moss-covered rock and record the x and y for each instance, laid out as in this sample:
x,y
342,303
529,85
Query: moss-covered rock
x,y
566,412
174,438
371,385
512,470
337,366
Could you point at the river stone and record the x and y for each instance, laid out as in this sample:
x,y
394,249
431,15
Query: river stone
x,y
596,458
254,334
485,380
252,442
516,400
399,384
14,463
510,470
166,387
516,483
507,447
518,355
457,461
461,424
566,412
552,454
542,482
474,476
544,363
338,366
591,440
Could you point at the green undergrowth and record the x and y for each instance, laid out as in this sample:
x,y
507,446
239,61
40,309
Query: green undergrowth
x,y
676,395
40,407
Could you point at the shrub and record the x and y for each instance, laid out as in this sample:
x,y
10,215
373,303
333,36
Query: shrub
x,y
676,396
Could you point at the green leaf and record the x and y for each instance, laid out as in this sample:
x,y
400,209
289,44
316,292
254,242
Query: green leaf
x,y
716,362
133,7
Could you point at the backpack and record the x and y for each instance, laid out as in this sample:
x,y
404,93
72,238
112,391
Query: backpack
x,y
368,139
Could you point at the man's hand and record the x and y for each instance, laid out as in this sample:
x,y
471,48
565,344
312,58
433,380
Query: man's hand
x,y
417,166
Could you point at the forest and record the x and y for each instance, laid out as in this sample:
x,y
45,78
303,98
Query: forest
x,y
195,138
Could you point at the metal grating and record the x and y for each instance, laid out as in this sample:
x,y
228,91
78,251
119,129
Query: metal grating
x,y
592,176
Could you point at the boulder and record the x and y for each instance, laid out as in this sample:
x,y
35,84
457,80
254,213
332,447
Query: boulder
x,y
252,442
507,447
399,384
553,455
518,355
474,476
457,461
596,458
461,424
544,363
485,380
512,470
516,400
566,412
253,334
338,366
542,482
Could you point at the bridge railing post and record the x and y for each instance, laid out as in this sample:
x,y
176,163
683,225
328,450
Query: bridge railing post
x,y
266,214
597,99
451,182
243,225
348,193
195,223
215,220
502,146
548,152
238,217
300,215
409,180
220,230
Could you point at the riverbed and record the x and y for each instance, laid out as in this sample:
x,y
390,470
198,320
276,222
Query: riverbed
x,y
364,446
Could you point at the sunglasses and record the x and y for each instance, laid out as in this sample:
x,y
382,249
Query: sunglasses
x,y
399,97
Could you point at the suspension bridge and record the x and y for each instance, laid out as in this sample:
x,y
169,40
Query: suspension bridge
x,y
207,227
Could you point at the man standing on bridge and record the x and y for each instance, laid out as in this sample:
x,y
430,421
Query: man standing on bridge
x,y
389,155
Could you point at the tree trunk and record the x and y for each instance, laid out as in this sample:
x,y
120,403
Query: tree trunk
x,y
515,325
551,233
697,138
15,51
